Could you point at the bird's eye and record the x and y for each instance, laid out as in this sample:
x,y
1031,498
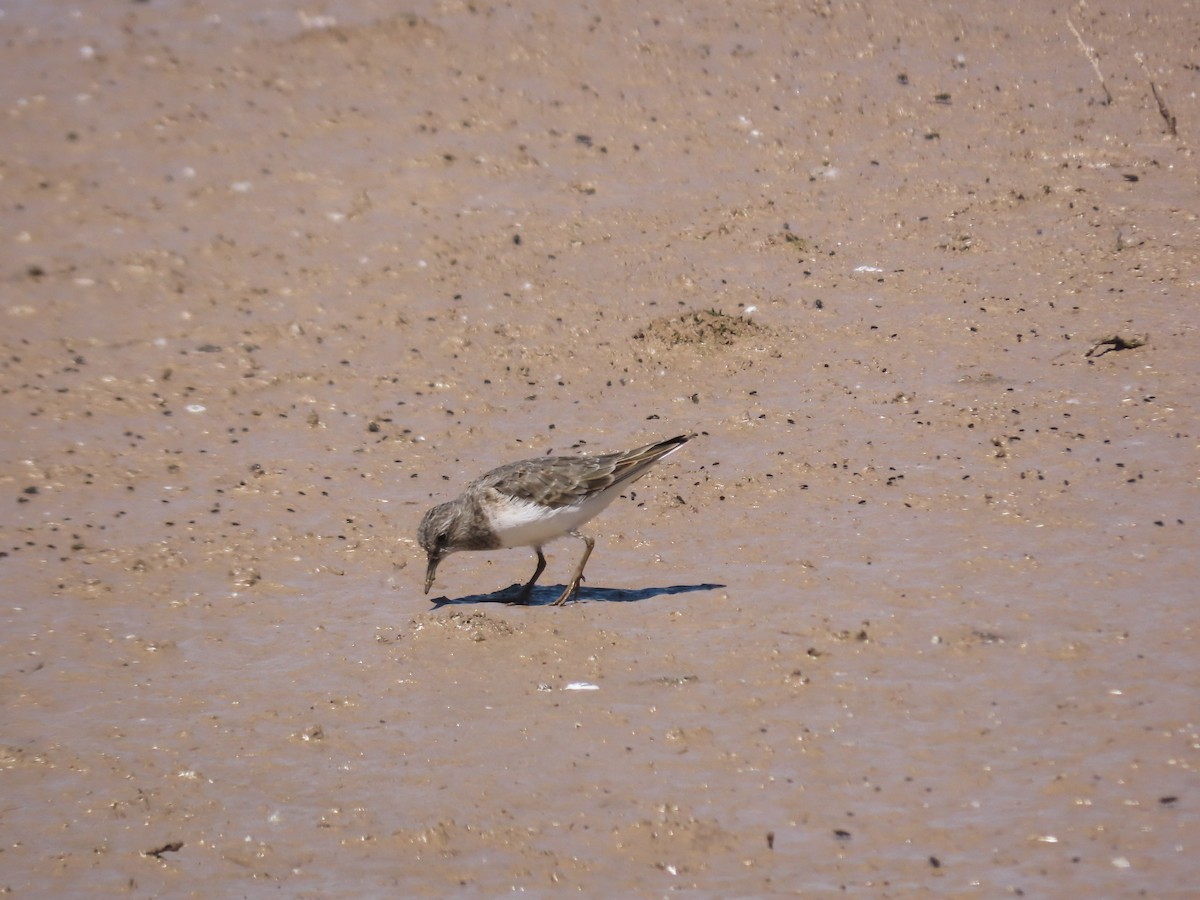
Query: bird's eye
x,y
442,539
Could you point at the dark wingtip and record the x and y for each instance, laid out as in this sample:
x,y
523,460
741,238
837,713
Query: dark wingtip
x,y
679,439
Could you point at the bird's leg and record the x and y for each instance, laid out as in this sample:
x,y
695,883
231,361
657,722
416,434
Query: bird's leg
x,y
523,597
572,589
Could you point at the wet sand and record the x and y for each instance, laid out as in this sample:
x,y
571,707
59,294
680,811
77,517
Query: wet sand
x,y
915,613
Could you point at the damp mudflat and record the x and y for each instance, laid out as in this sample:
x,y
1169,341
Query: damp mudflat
x,y
914,613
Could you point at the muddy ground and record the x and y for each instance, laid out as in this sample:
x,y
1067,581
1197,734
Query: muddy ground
x,y
915,613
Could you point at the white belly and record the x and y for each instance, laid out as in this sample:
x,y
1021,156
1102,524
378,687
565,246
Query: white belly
x,y
523,524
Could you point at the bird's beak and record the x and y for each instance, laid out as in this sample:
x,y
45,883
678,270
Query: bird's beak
x,y
430,572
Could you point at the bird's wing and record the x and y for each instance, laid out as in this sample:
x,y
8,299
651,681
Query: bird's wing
x,y
566,480
552,481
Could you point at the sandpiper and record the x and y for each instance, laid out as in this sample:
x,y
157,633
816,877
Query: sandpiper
x,y
531,502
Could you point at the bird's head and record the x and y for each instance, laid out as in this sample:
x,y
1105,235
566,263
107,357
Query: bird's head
x,y
437,537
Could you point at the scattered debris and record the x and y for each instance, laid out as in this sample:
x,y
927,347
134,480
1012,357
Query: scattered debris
x,y
1094,58
477,625
581,686
1167,116
675,680
1116,342
171,847
708,327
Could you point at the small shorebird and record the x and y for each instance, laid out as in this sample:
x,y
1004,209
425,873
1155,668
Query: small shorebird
x,y
532,502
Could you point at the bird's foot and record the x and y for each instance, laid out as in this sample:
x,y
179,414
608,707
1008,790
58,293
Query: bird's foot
x,y
571,592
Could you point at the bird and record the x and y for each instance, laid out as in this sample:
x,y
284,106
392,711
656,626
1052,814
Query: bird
x,y
531,502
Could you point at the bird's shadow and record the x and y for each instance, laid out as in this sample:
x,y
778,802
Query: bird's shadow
x,y
547,594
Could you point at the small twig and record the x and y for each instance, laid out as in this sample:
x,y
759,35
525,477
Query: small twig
x,y
1093,58
171,847
1117,342
1168,117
